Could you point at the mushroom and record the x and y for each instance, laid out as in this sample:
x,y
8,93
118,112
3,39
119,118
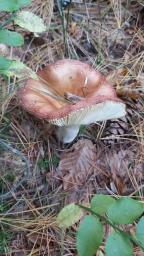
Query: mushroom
x,y
68,94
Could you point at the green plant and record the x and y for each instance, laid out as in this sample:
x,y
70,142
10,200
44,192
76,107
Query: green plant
x,y
5,237
7,178
45,163
3,207
24,19
105,209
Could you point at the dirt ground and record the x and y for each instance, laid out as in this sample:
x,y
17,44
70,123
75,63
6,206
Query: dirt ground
x,y
39,174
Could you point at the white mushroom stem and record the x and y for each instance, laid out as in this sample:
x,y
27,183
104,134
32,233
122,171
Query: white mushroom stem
x,y
67,134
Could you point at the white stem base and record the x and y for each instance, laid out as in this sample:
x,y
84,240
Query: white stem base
x,y
67,134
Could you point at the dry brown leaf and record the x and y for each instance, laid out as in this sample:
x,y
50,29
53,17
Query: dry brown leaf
x,y
77,164
133,90
130,93
118,183
73,28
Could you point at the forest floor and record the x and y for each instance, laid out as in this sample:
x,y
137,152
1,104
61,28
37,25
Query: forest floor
x,y
38,174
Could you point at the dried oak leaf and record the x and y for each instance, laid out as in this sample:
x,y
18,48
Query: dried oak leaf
x,y
77,164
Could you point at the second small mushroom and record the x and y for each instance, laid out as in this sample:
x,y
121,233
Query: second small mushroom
x,y
68,94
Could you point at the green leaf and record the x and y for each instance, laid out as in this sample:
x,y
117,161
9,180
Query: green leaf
x,y
30,21
11,38
22,3
69,215
20,70
8,6
118,245
100,203
89,236
12,5
4,64
125,211
140,231
16,68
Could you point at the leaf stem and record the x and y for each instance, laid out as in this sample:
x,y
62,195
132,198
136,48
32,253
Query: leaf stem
x,y
101,217
106,220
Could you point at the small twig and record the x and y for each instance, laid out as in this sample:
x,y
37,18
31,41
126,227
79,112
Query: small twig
x,y
60,7
72,97
68,16
50,95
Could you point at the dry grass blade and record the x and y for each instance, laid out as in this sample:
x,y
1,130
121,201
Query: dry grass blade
x,y
35,233
26,175
117,9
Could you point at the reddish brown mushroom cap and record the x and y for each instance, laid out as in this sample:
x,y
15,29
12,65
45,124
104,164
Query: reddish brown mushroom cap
x,y
77,78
